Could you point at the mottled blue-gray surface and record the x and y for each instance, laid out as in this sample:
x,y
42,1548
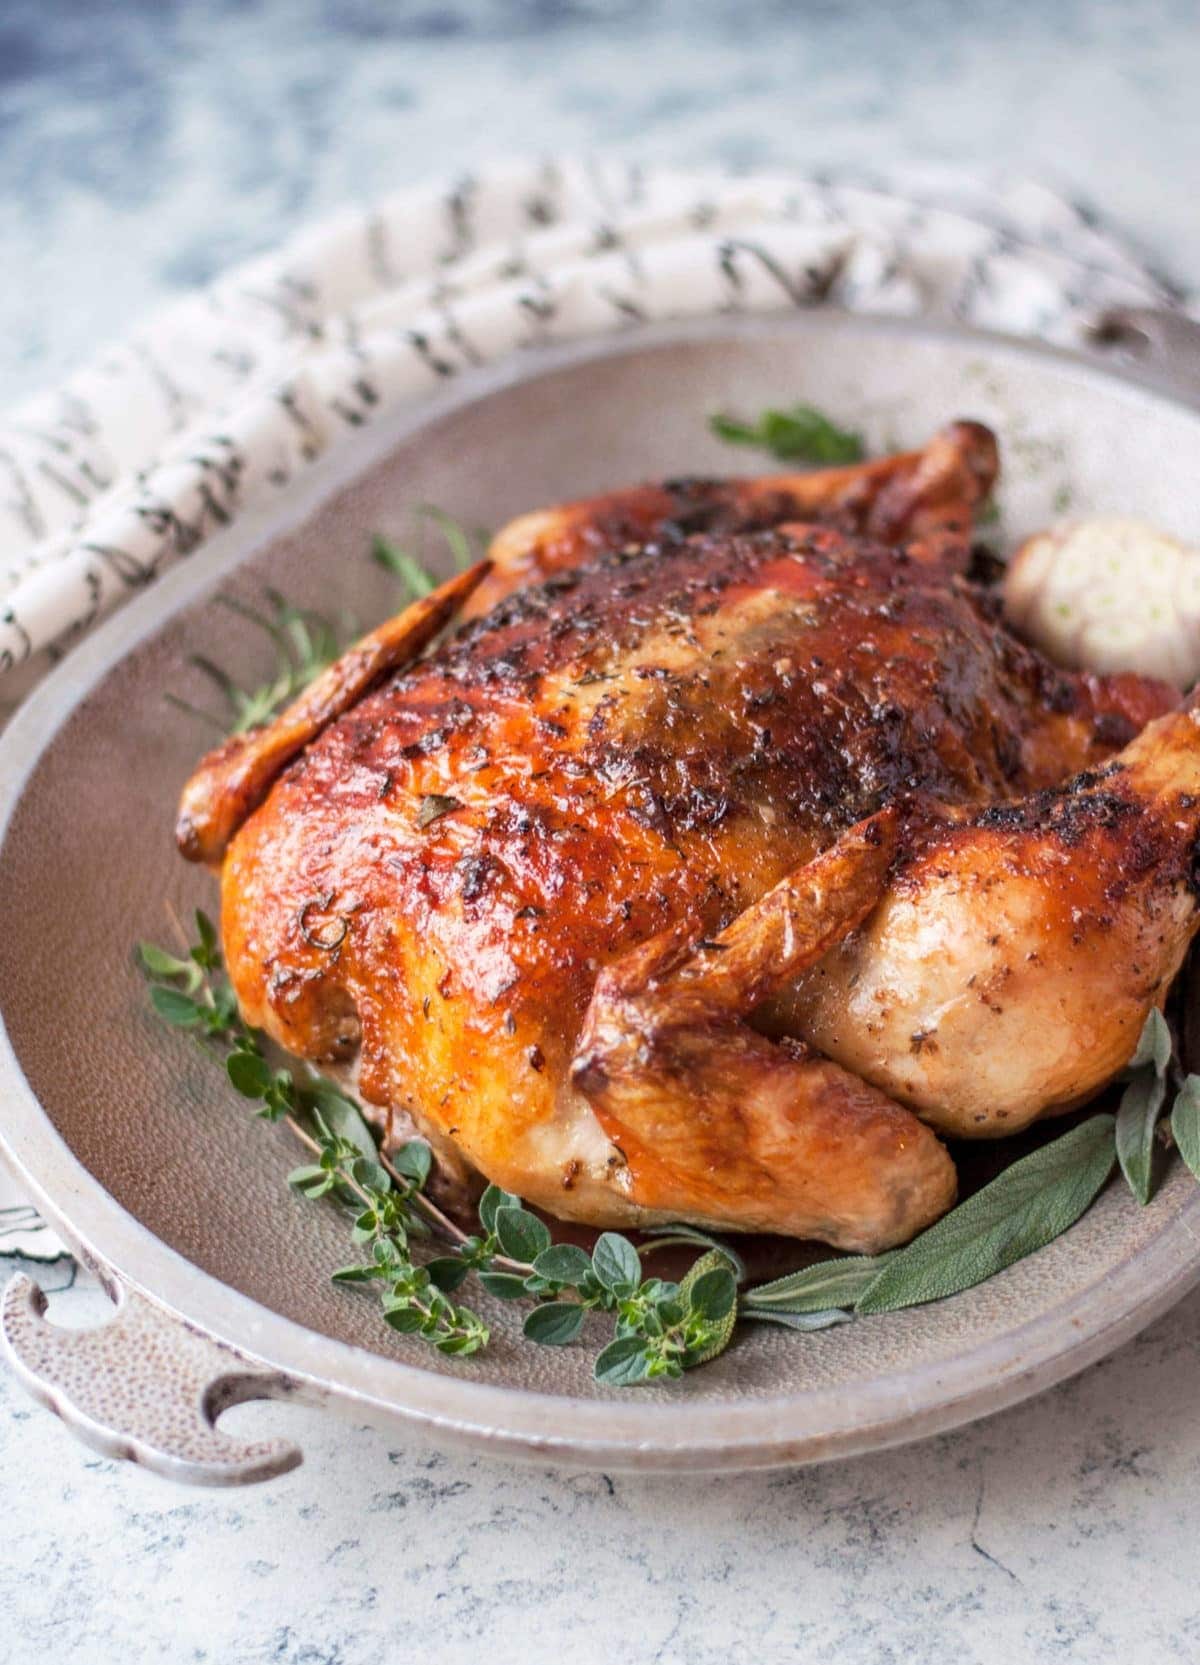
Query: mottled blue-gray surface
x,y
143,147
147,144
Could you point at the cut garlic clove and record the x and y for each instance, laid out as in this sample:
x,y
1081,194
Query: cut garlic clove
x,y
1109,594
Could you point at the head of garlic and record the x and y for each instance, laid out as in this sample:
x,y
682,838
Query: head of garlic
x,y
1109,594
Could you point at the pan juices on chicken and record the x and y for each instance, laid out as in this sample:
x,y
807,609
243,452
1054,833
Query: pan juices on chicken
x,y
729,852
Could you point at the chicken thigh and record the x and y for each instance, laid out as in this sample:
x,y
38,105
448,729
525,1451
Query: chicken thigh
x,y
719,863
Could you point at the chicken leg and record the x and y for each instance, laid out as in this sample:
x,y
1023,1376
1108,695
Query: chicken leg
x,y
713,1120
1017,951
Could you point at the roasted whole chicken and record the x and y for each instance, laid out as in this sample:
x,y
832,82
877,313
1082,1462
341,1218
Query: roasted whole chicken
x,y
731,851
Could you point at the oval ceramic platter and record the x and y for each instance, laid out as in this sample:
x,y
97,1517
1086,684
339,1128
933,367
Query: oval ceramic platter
x,y
148,1162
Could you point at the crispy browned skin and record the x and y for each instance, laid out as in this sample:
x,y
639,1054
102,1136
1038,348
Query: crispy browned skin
x,y
448,877
909,496
235,778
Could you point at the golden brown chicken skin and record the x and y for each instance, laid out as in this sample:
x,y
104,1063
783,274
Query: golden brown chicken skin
x,y
534,885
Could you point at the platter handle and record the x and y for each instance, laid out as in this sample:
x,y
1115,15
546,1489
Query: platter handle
x,y
145,1387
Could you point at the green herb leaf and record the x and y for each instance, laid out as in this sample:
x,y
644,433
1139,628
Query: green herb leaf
x,y
505,1286
622,1363
207,949
159,963
554,1324
356,1274
414,1160
799,434
176,1007
1026,1207
798,1320
406,1319
522,1235
371,1175
403,566
563,1263
343,1117
458,539
249,1073
1185,1123
447,1272
708,1292
713,1294
1154,1043
616,1263
680,1232
1137,1116
830,1283
492,1200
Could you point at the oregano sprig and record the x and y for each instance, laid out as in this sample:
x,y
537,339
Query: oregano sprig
x,y
661,1328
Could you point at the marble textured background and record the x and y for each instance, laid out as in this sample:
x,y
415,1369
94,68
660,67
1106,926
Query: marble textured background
x,y
143,146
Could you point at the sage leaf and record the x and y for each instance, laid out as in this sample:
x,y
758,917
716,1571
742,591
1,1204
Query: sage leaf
x,y
709,1289
1154,1044
679,1232
1185,1123
798,1320
1137,1116
622,1363
554,1324
1024,1208
713,1294
828,1284
563,1263
616,1263
522,1235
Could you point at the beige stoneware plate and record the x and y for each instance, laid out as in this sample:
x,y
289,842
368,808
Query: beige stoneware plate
x,y
150,1165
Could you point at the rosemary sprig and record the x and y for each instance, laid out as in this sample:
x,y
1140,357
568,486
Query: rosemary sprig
x,y
305,643
305,640
465,548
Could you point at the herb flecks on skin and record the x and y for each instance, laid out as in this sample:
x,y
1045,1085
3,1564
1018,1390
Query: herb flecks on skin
x,y
799,434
